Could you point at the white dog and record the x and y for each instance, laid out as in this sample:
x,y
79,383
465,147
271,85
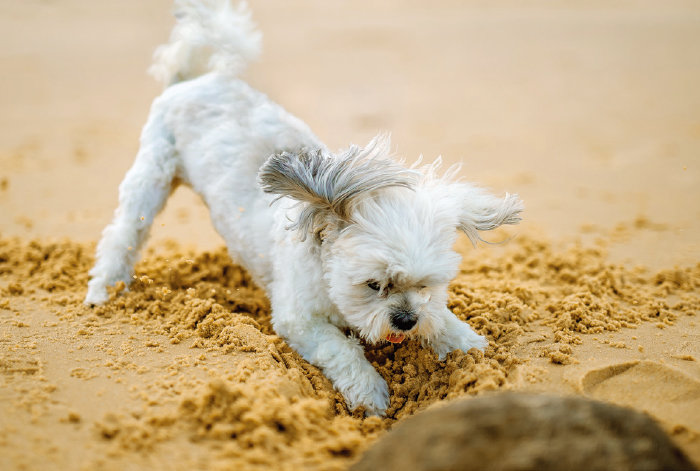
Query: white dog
x,y
352,240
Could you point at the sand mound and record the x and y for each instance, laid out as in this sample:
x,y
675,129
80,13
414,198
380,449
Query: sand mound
x,y
659,386
525,431
183,367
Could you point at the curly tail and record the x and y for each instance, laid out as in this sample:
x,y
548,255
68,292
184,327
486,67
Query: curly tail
x,y
209,35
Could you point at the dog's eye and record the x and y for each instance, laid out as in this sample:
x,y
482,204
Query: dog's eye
x,y
373,285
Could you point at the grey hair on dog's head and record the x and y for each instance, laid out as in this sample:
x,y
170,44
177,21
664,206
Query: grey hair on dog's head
x,y
332,184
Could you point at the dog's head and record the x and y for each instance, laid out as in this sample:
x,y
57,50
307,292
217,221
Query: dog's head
x,y
386,232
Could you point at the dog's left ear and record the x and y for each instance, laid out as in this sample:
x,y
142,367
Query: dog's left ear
x,y
328,185
481,211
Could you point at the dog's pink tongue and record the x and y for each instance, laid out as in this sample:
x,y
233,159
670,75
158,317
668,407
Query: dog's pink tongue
x,y
395,338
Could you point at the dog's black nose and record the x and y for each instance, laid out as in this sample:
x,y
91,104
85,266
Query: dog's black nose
x,y
403,319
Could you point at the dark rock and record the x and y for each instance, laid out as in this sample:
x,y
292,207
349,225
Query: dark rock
x,y
512,431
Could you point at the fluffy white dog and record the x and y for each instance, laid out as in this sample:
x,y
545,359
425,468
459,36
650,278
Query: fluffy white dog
x,y
348,241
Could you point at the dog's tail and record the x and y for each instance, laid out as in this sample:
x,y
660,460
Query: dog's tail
x,y
208,35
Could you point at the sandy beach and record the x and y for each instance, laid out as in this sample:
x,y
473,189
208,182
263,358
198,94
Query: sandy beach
x,y
591,113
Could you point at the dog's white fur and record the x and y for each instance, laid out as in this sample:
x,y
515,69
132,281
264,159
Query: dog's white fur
x,y
341,242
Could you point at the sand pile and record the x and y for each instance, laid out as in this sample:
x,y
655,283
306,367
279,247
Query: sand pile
x,y
184,369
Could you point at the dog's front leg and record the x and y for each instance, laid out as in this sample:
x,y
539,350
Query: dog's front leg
x,y
457,335
341,358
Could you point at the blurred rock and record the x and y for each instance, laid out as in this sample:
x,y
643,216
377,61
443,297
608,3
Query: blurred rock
x,y
525,432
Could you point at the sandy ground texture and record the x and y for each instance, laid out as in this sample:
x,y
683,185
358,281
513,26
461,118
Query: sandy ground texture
x,y
591,112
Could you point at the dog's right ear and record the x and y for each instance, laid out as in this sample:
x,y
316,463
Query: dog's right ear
x,y
330,185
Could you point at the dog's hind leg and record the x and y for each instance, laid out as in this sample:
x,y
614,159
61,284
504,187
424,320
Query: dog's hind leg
x,y
142,194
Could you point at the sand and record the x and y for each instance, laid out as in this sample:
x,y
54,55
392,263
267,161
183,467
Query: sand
x,y
236,394
590,113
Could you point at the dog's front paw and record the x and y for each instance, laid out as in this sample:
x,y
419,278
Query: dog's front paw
x,y
368,389
459,337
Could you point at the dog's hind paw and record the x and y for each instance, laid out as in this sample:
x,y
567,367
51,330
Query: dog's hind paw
x,y
96,296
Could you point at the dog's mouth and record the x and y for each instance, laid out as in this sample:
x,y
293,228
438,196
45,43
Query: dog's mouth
x,y
395,338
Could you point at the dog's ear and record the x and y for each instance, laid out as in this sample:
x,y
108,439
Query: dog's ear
x,y
330,185
480,211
